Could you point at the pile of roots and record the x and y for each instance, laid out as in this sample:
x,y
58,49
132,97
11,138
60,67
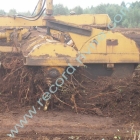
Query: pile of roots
x,y
105,96
25,82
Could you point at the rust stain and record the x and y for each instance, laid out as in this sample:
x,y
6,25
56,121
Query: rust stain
x,y
62,55
44,56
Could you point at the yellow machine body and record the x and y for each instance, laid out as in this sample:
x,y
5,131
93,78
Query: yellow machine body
x,y
112,47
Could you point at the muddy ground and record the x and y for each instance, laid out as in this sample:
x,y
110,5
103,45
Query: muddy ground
x,y
106,108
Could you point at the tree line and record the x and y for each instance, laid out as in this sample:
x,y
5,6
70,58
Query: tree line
x,y
131,19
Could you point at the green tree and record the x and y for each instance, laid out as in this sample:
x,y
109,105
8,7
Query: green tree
x,y
2,12
86,11
125,23
12,12
101,9
78,10
92,10
25,13
59,9
123,4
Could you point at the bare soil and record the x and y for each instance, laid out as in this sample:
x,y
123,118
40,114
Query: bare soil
x,y
63,125
106,108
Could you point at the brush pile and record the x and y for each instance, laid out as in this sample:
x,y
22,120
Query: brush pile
x,y
105,96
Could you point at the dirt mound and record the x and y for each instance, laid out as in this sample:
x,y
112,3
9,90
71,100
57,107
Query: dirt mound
x,y
133,34
105,96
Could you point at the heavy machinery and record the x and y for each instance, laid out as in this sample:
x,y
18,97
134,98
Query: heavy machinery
x,y
63,38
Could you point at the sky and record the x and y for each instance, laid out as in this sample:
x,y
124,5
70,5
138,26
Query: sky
x,y
29,5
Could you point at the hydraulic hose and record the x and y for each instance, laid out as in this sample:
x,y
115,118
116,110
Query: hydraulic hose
x,y
33,19
35,8
21,16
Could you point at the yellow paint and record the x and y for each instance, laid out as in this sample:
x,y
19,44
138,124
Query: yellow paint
x,y
39,6
52,62
60,69
125,52
49,7
19,22
53,49
2,34
37,41
24,30
7,49
53,52
86,19
8,32
48,52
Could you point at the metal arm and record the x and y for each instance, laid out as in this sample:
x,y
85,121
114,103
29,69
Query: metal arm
x,y
49,7
39,6
19,20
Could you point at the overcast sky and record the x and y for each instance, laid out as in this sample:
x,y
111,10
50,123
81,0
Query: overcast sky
x,y
28,5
